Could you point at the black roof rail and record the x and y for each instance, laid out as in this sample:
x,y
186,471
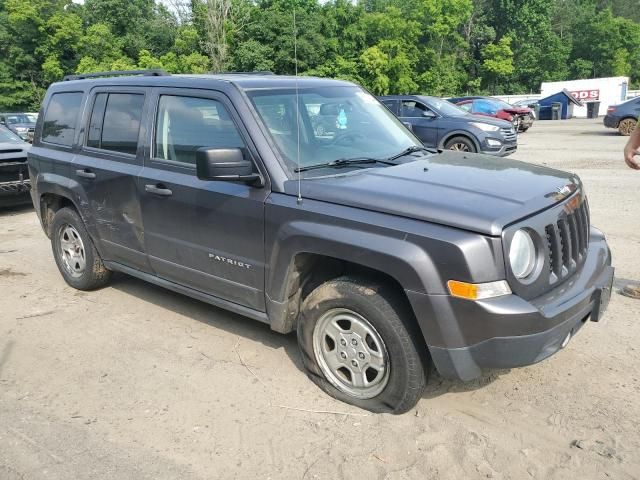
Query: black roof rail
x,y
114,73
260,72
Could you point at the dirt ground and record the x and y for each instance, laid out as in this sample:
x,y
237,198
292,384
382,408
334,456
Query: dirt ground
x,y
135,382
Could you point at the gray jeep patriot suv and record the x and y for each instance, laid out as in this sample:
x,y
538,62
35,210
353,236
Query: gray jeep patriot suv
x,y
383,256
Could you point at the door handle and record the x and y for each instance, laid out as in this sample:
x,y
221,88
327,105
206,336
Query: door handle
x,y
159,189
86,173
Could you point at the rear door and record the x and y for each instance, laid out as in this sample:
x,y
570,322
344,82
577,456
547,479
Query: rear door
x,y
206,235
426,128
107,166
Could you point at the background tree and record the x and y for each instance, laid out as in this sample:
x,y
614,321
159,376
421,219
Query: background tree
x,y
437,47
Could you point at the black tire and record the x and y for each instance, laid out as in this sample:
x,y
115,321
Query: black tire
x,y
94,274
391,318
461,144
524,129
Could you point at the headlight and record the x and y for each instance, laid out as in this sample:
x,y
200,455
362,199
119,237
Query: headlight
x,y
486,127
522,254
22,129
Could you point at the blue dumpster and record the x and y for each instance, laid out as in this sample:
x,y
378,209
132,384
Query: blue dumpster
x,y
564,98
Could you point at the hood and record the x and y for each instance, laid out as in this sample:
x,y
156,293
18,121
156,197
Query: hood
x,y
517,110
22,125
498,122
11,146
473,192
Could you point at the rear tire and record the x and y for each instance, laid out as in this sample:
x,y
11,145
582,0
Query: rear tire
x,y
359,344
460,144
627,126
74,252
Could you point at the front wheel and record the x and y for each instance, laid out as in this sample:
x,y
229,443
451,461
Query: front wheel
x,y
359,345
460,144
627,126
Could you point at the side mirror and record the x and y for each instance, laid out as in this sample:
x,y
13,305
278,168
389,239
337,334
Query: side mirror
x,y
224,164
408,125
428,114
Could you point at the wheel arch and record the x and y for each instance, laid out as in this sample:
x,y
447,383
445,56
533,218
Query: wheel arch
x,y
460,133
293,272
50,203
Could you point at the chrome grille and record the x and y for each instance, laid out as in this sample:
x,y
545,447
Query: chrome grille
x,y
508,133
567,242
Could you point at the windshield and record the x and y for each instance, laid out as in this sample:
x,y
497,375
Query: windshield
x,y
7,135
33,118
336,123
444,107
17,118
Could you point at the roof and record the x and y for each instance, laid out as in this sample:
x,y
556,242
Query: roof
x,y
403,97
566,92
243,81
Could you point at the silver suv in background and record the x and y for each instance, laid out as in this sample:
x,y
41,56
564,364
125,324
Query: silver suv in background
x,y
22,124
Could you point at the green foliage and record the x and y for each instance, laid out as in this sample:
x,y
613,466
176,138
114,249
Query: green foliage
x,y
439,47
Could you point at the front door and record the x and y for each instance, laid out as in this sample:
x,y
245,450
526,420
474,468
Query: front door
x,y
107,166
423,120
206,235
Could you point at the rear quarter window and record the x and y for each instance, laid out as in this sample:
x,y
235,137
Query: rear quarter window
x,y
61,118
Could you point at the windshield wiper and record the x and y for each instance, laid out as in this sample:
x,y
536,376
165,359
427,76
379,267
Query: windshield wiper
x,y
343,162
408,151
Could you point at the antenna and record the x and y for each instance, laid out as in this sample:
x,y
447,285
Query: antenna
x,y
295,60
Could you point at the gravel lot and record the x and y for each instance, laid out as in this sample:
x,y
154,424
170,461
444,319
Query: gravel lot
x,y
135,382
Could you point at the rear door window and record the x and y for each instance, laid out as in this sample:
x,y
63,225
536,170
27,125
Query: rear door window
x,y
114,124
61,118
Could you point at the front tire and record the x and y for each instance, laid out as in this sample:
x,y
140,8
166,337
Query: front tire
x,y
359,344
460,144
74,252
627,126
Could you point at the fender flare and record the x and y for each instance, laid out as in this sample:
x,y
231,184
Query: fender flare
x,y
393,256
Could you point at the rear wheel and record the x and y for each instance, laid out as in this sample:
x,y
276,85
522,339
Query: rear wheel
x,y
460,144
627,126
358,345
76,257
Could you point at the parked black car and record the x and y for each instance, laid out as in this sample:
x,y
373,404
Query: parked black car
x,y
14,173
624,117
439,124
19,123
383,256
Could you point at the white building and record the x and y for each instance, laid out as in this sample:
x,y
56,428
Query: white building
x,y
607,91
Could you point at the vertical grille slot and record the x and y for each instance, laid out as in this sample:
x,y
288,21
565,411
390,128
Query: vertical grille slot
x,y
555,250
566,243
580,226
585,226
573,236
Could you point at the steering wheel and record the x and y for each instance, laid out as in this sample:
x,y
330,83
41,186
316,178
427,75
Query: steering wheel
x,y
340,138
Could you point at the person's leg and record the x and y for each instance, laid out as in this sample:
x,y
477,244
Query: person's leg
x,y
632,158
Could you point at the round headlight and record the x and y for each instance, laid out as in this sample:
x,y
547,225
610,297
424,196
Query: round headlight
x,y
522,254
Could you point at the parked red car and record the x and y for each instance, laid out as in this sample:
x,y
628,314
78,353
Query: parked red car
x,y
521,117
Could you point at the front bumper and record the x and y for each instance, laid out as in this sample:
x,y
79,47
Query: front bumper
x,y
465,337
14,188
502,151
